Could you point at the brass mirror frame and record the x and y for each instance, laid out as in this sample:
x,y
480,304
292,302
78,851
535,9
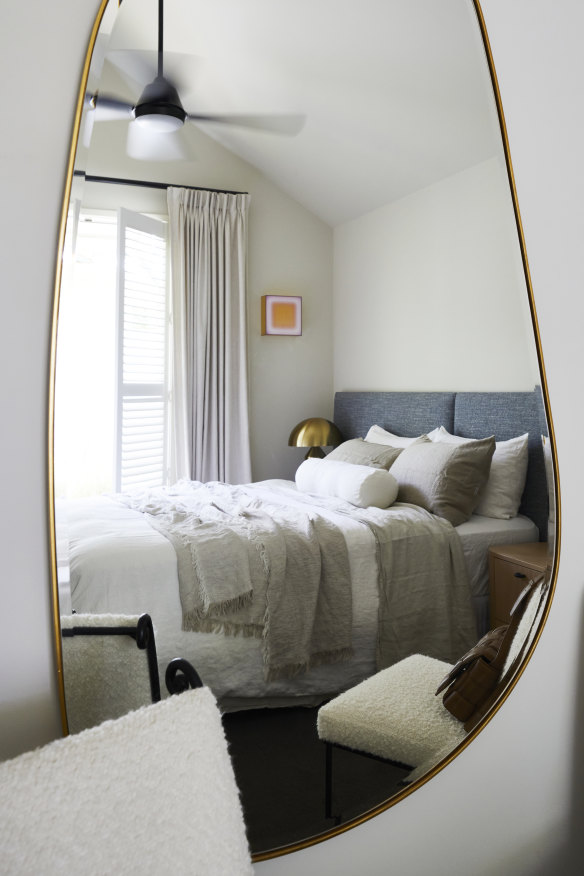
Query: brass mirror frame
x,y
50,444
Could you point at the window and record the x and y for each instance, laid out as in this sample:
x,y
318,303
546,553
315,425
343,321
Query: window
x,y
142,393
111,404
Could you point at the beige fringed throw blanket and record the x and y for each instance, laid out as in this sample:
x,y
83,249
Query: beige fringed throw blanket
x,y
424,594
256,569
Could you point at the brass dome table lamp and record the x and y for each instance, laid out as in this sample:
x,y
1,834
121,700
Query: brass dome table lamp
x,y
315,433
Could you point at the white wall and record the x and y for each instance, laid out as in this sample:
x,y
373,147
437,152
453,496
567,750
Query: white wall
x,y
454,246
31,179
511,803
290,253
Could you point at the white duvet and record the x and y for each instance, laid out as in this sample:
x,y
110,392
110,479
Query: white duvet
x,y
119,564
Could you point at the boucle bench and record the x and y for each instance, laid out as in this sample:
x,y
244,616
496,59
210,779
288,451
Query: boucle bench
x,y
395,714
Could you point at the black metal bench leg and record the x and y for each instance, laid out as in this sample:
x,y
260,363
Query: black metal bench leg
x,y
328,790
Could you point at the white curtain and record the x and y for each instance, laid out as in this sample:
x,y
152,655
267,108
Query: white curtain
x,y
208,244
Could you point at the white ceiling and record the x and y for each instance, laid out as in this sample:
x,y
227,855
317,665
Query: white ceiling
x,y
395,93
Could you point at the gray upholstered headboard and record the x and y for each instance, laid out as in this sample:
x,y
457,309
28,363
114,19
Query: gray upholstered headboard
x,y
469,414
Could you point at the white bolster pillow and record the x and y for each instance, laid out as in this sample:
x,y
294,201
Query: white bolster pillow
x,y
360,485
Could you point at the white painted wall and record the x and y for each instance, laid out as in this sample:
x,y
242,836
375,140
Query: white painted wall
x,y
289,252
512,802
31,179
454,246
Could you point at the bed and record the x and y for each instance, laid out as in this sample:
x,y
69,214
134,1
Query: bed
x,y
122,558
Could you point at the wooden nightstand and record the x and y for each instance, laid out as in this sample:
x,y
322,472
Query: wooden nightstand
x,y
511,566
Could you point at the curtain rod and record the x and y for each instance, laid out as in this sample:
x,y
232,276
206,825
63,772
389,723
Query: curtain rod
x,y
112,180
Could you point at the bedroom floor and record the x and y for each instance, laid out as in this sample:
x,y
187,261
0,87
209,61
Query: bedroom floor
x,y
279,766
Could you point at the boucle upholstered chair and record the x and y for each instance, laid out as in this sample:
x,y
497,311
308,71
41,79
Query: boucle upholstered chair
x,y
110,667
395,714
151,792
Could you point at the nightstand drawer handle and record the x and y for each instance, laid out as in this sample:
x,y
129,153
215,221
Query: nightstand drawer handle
x,y
520,575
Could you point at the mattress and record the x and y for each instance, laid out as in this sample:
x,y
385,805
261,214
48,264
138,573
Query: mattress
x,y
477,535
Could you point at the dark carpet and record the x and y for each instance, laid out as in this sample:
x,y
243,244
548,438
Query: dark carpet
x,y
279,765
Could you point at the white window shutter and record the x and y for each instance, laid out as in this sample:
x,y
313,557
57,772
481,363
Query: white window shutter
x,y
142,397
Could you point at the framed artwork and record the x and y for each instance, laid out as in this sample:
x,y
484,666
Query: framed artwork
x,y
281,315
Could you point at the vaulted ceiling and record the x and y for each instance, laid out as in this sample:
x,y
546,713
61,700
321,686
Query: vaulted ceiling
x,y
395,93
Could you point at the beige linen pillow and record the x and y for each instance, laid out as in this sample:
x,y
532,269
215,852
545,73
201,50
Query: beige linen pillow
x,y
502,494
377,435
446,479
360,452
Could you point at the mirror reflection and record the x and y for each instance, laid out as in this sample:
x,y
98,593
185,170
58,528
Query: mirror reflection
x,y
351,159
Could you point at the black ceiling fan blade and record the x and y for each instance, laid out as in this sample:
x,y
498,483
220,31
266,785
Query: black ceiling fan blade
x,y
102,108
109,107
137,67
88,120
286,124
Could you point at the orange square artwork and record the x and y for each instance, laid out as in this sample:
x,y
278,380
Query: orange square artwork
x,y
281,315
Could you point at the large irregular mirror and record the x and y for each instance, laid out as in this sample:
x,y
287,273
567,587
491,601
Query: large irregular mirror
x,y
288,212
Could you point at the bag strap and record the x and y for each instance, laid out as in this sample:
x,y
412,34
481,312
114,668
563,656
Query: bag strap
x,y
488,647
516,615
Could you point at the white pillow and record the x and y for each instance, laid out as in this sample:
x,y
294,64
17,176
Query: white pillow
x,y
360,485
550,477
377,435
502,494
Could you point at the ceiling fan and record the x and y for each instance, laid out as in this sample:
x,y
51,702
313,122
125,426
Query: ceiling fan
x,y
159,109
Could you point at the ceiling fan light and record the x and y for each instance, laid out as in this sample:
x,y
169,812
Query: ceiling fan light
x,y
159,107
159,122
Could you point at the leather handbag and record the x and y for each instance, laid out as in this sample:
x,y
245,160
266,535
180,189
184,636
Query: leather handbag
x,y
473,679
